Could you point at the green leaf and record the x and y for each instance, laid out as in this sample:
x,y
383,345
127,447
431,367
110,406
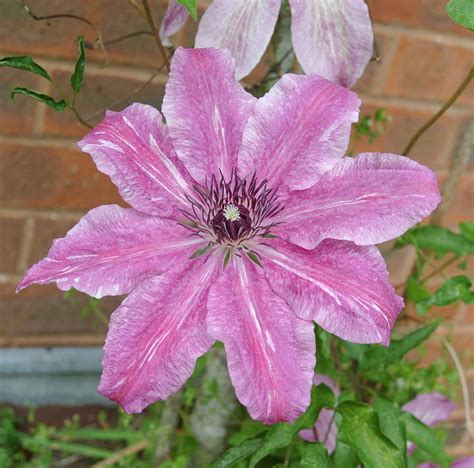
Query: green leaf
x,y
453,289
25,63
416,291
425,438
344,456
282,434
315,455
437,239
391,426
324,359
58,106
360,430
239,453
248,430
379,357
461,12
77,77
467,230
191,6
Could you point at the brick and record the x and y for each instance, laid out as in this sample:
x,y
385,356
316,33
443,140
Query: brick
x,y
11,234
45,231
434,149
53,178
462,205
43,311
99,92
427,14
425,69
374,75
17,117
55,38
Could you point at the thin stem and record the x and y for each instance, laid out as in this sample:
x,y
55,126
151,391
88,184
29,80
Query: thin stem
x,y
78,116
438,114
463,381
99,314
100,40
119,39
130,450
288,455
156,35
435,271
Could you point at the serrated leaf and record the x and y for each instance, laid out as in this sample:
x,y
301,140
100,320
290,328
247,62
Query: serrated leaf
x,y
360,430
58,106
467,230
25,63
239,453
461,12
77,77
453,289
425,438
191,6
379,357
315,455
437,239
282,434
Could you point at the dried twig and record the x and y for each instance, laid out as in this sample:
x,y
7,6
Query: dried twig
x,y
130,450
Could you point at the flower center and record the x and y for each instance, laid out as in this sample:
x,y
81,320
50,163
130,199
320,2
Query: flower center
x,y
231,212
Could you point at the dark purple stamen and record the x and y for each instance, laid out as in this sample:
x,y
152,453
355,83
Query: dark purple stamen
x,y
232,211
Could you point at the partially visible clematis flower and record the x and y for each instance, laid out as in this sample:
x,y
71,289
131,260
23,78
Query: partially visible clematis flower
x,y
331,38
197,251
429,408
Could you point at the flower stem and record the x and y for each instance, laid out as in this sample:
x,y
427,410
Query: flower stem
x,y
156,35
439,114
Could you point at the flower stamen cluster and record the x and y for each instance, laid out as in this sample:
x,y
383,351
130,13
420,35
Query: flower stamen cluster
x,y
232,212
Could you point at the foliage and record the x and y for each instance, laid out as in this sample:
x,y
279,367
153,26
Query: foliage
x,y
462,12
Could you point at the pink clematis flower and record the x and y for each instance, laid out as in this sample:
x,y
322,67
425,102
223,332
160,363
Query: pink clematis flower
x,y
197,253
333,39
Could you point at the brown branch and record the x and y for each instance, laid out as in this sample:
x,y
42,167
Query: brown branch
x,y
156,35
440,113
119,39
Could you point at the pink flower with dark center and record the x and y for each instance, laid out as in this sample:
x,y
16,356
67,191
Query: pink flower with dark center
x,y
197,251
331,38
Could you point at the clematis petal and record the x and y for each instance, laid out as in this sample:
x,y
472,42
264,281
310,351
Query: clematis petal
x,y
111,251
245,27
332,38
270,351
175,17
325,429
299,130
430,408
343,287
156,335
368,199
206,110
133,148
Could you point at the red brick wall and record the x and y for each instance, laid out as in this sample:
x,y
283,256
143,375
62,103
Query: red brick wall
x,y
46,184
